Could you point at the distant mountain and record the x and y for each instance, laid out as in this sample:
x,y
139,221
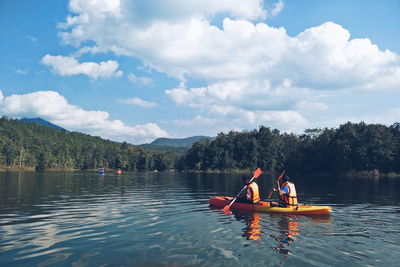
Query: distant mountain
x,y
40,121
179,145
178,142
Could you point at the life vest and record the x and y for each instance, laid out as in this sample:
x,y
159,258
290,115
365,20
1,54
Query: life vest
x,y
252,192
290,198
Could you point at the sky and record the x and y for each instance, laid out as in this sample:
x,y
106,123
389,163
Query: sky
x,y
138,70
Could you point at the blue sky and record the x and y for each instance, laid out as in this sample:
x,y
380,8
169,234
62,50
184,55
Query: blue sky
x,y
138,70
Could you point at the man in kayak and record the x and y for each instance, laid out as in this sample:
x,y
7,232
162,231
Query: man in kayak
x,y
251,195
287,193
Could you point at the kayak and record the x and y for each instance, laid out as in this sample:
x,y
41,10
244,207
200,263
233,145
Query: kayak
x,y
264,206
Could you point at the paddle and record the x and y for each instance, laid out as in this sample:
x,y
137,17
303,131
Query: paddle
x,y
277,181
256,174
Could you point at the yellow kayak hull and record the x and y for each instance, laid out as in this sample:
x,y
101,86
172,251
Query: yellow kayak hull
x,y
263,206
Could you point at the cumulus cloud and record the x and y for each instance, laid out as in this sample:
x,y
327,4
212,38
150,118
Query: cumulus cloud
x,y
54,107
248,102
227,118
321,57
253,69
146,12
67,66
139,80
138,102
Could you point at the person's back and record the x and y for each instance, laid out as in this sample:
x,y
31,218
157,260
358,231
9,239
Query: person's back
x,y
287,192
252,195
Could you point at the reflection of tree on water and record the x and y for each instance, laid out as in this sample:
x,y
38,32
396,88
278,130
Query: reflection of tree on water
x,y
284,229
289,229
254,230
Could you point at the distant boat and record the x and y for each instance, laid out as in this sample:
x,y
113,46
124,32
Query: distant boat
x,y
101,171
118,171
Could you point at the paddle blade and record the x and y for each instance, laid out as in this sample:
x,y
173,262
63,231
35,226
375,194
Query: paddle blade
x,y
257,173
227,211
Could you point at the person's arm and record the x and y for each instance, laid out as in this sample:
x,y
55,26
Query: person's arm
x,y
249,192
243,194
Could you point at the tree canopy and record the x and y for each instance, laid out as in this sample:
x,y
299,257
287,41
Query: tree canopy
x,y
30,145
351,147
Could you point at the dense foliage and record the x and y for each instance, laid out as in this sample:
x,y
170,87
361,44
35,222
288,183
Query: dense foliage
x,y
351,147
29,145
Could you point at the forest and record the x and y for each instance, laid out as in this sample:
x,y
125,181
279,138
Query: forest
x,y
353,147
33,146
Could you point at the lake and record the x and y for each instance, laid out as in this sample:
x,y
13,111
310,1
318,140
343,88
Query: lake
x,y
163,219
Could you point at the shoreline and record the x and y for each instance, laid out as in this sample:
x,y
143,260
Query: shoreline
x,y
358,174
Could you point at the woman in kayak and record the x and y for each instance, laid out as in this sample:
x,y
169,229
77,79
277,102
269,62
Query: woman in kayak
x,y
287,193
251,195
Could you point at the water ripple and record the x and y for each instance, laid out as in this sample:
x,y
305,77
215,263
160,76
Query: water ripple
x,y
148,219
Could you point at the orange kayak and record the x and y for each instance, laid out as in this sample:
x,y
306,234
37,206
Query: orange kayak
x,y
263,206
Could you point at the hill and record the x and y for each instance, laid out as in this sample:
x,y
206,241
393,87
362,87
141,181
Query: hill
x,y
40,121
178,145
34,146
178,142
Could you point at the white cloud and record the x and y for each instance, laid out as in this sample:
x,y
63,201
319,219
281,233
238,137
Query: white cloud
x,y
148,11
385,116
54,107
278,7
247,118
256,94
322,57
138,102
313,106
139,80
67,66
227,118
253,69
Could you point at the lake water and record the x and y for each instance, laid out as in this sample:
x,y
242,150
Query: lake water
x,y
163,219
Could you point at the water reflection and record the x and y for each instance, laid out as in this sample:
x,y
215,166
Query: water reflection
x,y
253,229
289,229
279,230
133,219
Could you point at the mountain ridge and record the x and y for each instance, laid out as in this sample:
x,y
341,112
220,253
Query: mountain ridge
x,y
42,122
179,142
178,145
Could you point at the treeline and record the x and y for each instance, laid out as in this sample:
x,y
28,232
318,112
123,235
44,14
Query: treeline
x,y
351,147
29,145
354,147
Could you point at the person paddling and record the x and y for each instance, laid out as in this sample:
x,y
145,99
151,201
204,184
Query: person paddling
x,y
251,195
287,193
